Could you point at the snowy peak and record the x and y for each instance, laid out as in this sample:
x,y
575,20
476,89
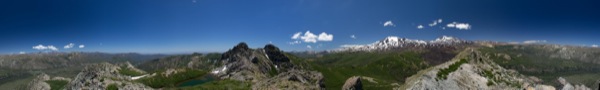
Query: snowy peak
x,y
395,42
391,39
447,39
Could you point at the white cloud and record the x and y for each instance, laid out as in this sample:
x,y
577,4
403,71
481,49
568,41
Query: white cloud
x,y
21,52
388,23
460,26
294,42
435,22
42,47
81,46
309,37
70,45
420,27
534,41
52,48
308,46
352,36
595,45
296,35
325,37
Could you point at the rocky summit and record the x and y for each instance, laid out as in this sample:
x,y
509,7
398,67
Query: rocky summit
x,y
353,83
268,67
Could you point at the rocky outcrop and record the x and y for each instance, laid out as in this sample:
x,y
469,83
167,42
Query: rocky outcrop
x,y
293,79
353,83
38,83
469,70
244,64
268,67
100,76
277,57
568,86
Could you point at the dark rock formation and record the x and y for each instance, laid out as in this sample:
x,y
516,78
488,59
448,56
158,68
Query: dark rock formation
x,y
242,63
269,68
277,57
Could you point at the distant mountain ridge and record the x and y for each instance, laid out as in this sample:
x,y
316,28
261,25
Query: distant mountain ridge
x,y
398,42
33,61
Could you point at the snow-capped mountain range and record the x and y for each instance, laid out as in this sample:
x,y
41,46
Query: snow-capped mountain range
x,y
394,42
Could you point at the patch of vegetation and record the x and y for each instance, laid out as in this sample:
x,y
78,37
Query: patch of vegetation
x,y
388,67
226,84
443,74
112,87
273,71
160,81
129,72
490,83
488,74
57,84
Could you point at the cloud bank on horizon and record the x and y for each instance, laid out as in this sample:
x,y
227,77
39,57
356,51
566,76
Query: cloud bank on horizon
x,y
41,47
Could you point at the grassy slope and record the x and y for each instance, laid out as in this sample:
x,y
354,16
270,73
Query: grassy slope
x,y
548,69
19,84
129,72
385,67
207,61
57,84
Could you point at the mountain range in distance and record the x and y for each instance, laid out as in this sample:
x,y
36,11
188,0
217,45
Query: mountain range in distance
x,y
391,63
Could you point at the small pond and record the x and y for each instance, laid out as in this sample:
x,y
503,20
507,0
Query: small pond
x,y
197,81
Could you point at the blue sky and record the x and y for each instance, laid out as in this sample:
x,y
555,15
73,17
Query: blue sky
x,y
183,26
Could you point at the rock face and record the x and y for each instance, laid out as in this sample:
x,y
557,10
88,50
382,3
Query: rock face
x,y
39,83
353,83
469,70
277,57
100,76
244,64
568,86
269,68
293,79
